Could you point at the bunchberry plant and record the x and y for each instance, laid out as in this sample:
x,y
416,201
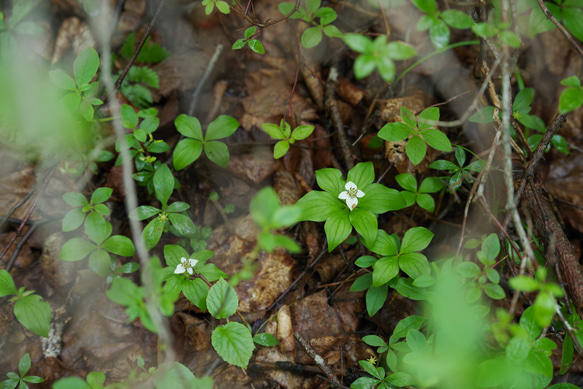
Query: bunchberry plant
x,y
17,25
458,172
134,85
29,309
438,22
283,132
85,210
20,379
572,97
313,14
188,150
419,131
378,54
355,202
170,215
569,12
253,43
82,91
420,195
394,256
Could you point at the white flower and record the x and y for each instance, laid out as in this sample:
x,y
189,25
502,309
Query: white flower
x,y
351,195
185,265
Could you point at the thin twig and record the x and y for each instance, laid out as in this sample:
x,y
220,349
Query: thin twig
x,y
209,69
332,105
318,359
563,30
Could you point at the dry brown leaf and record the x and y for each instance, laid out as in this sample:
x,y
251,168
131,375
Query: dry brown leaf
x,y
72,33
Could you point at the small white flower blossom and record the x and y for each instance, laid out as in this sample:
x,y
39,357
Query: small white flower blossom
x,y
351,195
186,265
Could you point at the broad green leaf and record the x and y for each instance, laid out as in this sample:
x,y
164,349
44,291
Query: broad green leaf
x,y
332,31
416,341
414,264
358,42
416,239
407,181
233,342
196,292
517,349
75,199
223,7
222,300
153,232
330,180
524,283
456,18
177,206
249,32
572,20
436,139
183,224
280,149
120,245
384,270
286,8
571,81
386,68
188,126
302,132
163,181
312,5
400,379
7,286
364,65
362,174
101,195
544,308
186,152
384,245
96,379
523,99
73,219
510,38
217,152
483,115
426,6
444,165
239,44
273,130
494,291
439,34
222,127
34,314
491,247
571,99
317,206
373,340
468,269
76,249
71,383
365,223
256,46
286,216
427,117
100,262
24,365
379,199
97,228
144,212
493,275
85,66
337,228
62,80
406,324
124,292
426,202
311,37
416,149
430,185
375,298
173,253
263,206
364,383
399,51
265,339
365,261
362,283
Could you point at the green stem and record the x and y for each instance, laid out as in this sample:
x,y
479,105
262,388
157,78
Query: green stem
x,y
452,46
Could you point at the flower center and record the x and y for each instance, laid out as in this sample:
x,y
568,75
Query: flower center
x,y
352,192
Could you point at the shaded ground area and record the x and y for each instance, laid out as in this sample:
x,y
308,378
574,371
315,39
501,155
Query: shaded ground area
x,y
308,292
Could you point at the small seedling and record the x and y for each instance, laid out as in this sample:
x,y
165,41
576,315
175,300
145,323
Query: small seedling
x,y
283,132
20,379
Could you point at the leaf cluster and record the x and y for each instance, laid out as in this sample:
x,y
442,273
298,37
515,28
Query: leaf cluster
x,y
253,44
458,172
20,379
438,22
314,14
283,132
420,195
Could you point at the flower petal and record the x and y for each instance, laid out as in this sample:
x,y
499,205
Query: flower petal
x,y
183,260
350,185
351,202
193,262
359,193
179,269
190,271
343,195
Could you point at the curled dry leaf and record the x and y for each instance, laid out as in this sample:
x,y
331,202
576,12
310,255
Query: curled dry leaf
x,y
72,33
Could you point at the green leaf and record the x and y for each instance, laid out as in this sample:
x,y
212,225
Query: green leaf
x,y
379,199
386,69
311,37
273,130
375,298
62,80
544,308
414,264
428,117
416,149
365,223
34,314
144,212
330,180
364,65
76,249
426,6
399,51
101,195
256,46
124,292
100,262
407,181
571,99
430,185
468,269
217,152
510,38
163,184
362,174
416,341
523,100
96,379
75,199
239,44
196,291
416,239
73,219
436,139
409,198
332,31
317,206
384,270
7,286
263,206
71,383
457,19
189,126
483,115
233,342
384,245
143,74
153,232
494,291
183,224
280,149
186,152
223,7
404,325
491,247
222,300
222,127
120,245
302,132
362,283
85,66
571,81
517,349
97,228
358,42
286,8
265,339
337,228
439,34
129,118
395,132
